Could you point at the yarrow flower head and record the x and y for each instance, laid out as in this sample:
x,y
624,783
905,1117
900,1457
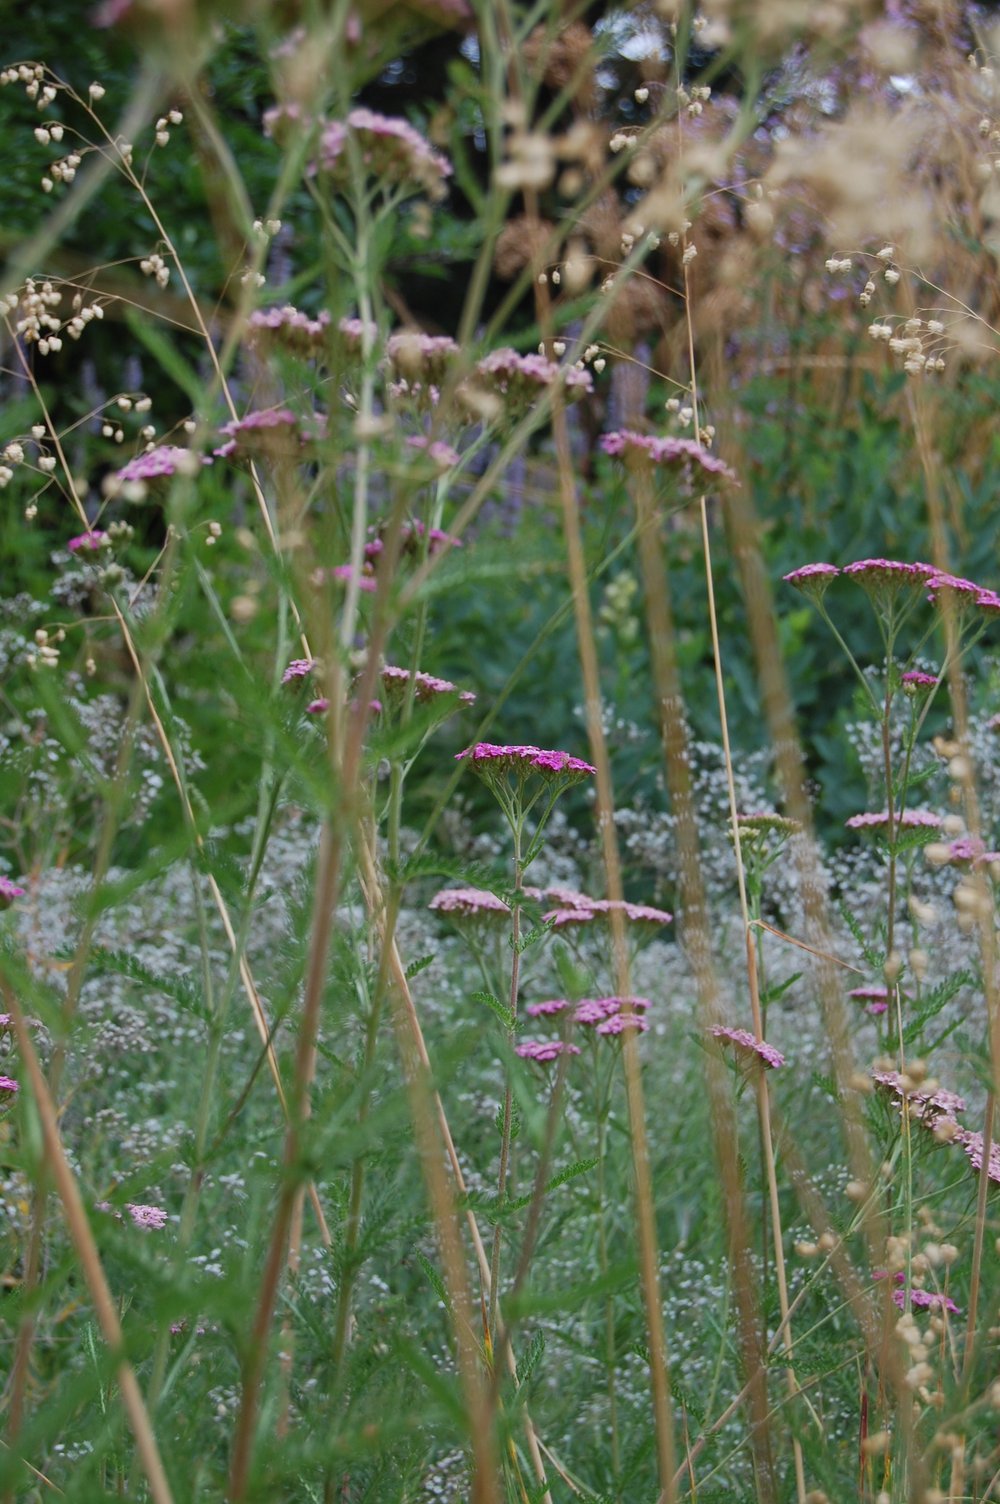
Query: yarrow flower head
x,y
271,431
163,460
289,327
748,1046
548,1007
916,682
875,997
146,1216
765,822
8,892
518,379
629,444
427,690
910,819
392,150
521,777
880,575
965,851
963,598
928,1107
419,357
576,909
89,543
469,903
545,1050
299,668
524,760
926,1300
813,579
972,1143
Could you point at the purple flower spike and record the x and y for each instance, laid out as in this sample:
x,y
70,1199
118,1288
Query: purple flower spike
x,y
663,451
749,1045
9,891
8,1087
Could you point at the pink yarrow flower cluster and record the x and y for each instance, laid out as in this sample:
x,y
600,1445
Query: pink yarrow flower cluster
x,y
605,1015
391,149
415,355
972,1143
910,819
299,668
162,461
577,908
887,572
545,1050
290,327
524,759
89,543
8,892
875,997
748,1045
812,576
468,903
426,686
627,443
929,1107
926,1300
146,1216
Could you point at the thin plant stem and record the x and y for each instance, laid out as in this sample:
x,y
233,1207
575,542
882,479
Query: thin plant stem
x,y
508,1098
90,1260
